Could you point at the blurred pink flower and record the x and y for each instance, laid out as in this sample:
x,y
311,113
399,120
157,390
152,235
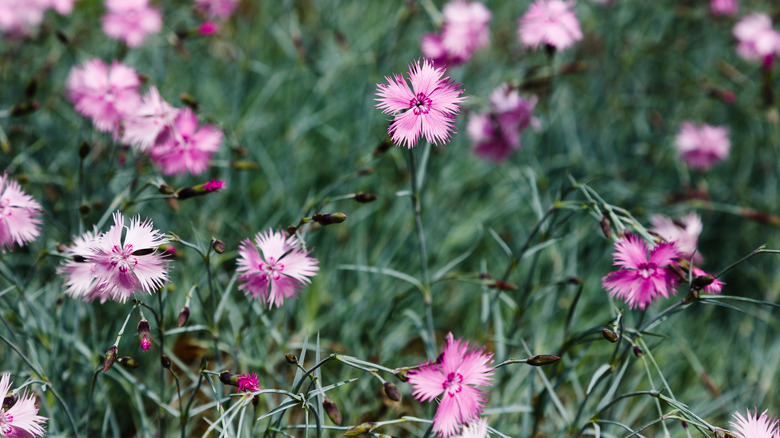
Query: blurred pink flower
x,y
550,22
432,47
217,8
465,28
18,17
454,377
683,232
188,148
713,288
497,133
641,279
19,213
755,426
275,272
427,109
702,146
106,95
214,185
150,123
723,7
131,21
248,382
63,7
208,28
21,420
756,39
475,429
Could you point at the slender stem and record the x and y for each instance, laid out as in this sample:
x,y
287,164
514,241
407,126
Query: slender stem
x,y
162,369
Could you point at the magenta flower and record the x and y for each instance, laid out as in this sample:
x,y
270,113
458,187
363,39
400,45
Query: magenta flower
x,y
755,426
248,383
188,148
20,420
550,22
683,232
106,95
713,288
454,377
641,279
131,21
756,39
723,7
214,185
18,17
702,146
217,8
465,29
19,213
150,124
429,108
497,133
475,429
208,28
275,272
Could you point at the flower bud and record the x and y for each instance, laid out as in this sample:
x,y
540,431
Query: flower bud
x,y
332,410
702,281
228,378
165,361
244,165
24,108
359,429
184,315
144,334
392,391
165,189
609,335
365,198
30,88
605,227
329,219
189,100
291,358
84,150
129,362
200,189
503,285
383,147
8,402
218,245
291,230
110,358
638,351
542,360
84,209
401,374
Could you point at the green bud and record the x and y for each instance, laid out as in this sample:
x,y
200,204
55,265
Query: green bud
x,y
329,219
542,360
129,362
359,429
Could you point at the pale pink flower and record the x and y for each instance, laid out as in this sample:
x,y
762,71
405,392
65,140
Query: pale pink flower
x,y
683,232
432,47
465,28
131,21
77,269
248,382
217,8
150,124
550,22
713,288
105,94
723,7
702,146
641,279
188,147
429,108
20,420
275,272
755,426
18,17
497,133
475,429
19,221
63,7
756,39
454,377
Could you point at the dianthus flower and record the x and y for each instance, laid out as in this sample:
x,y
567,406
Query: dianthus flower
x,y
702,146
150,124
131,21
756,39
713,288
77,269
63,7
465,31
427,109
475,429
641,279
454,377
21,419
550,22
105,94
723,7
214,185
19,213
683,232
217,8
497,133
18,17
755,426
275,272
188,148
248,382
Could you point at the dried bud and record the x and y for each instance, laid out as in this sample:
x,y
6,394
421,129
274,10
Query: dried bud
x,y
144,334
329,219
291,358
165,361
110,358
542,360
184,315
392,391
702,281
638,351
228,378
129,362
605,227
84,150
365,198
359,429
610,335
332,410
218,245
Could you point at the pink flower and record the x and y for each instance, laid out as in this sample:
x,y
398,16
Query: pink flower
x,y
275,272
713,288
217,8
208,28
465,28
77,268
248,383
701,147
131,21
756,39
428,108
19,213
497,133
18,17
214,185
723,7
550,22
63,7
21,419
755,426
475,429
150,124
432,47
454,377
106,95
640,279
188,148
683,232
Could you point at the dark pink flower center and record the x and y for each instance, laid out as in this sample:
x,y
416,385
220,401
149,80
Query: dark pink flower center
x,y
453,384
122,258
271,269
420,104
5,423
647,270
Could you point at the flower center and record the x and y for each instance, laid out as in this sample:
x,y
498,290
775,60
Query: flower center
x,y
5,423
271,269
420,104
646,270
122,258
453,384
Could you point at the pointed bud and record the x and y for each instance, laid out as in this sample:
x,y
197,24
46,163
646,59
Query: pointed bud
x,y
542,360
84,150
8,402
110,358
365,198
392,391
165,189
329,219
228,378
200,189
218,245
165,361
129,362
638,351
291,358
332,410
144,335
702,281
605,227
188,100
184,315
609,335
359,429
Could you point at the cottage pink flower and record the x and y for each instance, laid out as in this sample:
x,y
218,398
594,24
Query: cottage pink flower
x,y
683,232
713,288
19,221
248,382
105,94
429,108
208,28
641,279
150,124
756,39
497,133
131,21
454,377
550,22
188,147
275,272
18,17
755,426
723,7
432,48
77,269
63,7
217,8
214,185
702,146
465,28
475,429
21,420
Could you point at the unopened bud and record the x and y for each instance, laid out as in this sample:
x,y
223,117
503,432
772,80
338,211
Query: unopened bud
x,y
684,424
110,358
84,149
61,36
165,189
291,230
605,227
129,362
244,165
638,351
359,429
332,410
228,378
84,209
184,315
574,280
144,335
218,245
329,219
503,285
609,335
702,281
291,358
401,374
365,198
8,402
383,147
24,108
189,100
392,391
542,360
165,361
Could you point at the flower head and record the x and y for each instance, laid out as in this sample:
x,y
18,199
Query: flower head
x,y
131,21
497,133
21,419
275,272
18,17
641,279
217,8
684,232
150,124
475,429
454,377
63,7
214,185
702,146
465,31
248,382
755,426
756,39
723,7
188,148
550,22
427,109
19,213
77,269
